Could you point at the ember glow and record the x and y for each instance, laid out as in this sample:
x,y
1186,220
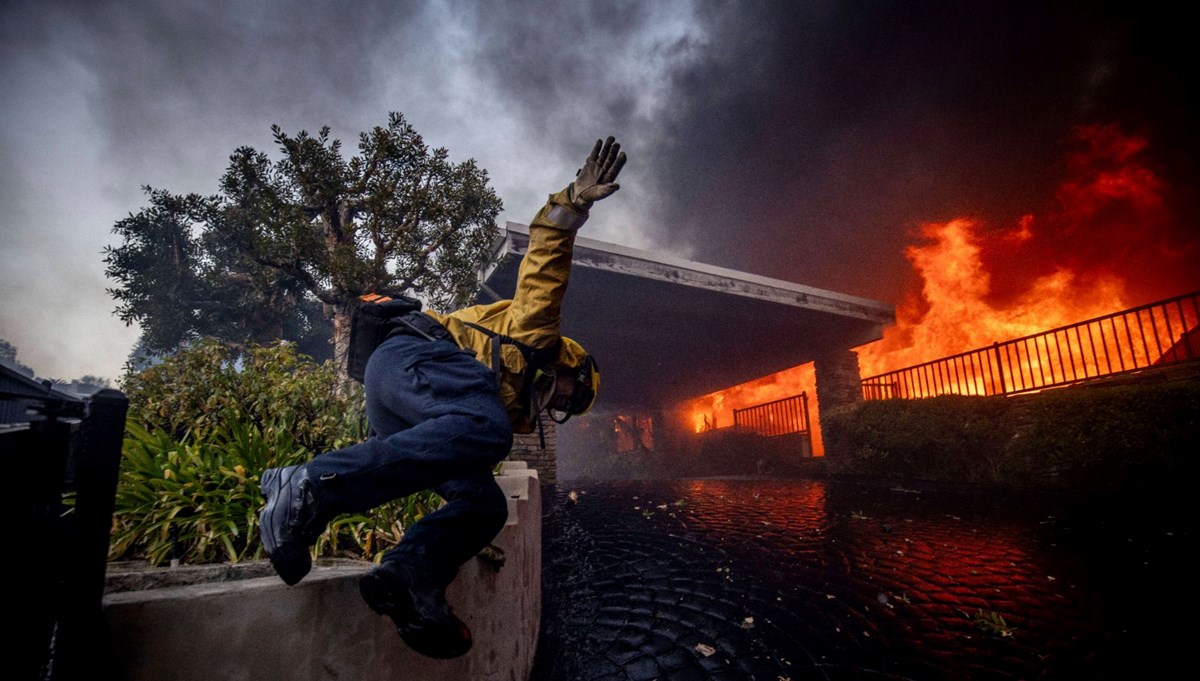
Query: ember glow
x,y
1109,242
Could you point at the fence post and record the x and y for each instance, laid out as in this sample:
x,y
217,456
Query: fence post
x,y
999,368
81,647
38,462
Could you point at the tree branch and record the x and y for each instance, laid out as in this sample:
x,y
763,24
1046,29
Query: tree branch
x,y
295,270
422,258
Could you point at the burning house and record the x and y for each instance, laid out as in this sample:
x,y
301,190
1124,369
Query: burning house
x,y
1093,283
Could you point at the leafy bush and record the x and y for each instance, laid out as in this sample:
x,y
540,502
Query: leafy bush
x,y
269,387
1109,438
201,429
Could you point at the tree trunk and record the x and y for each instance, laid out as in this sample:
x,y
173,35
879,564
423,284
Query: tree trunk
x,y
341,342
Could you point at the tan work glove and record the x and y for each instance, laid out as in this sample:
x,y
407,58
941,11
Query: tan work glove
x,y
597,178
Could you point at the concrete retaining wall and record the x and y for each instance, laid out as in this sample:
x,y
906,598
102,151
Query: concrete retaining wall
x,y
320,629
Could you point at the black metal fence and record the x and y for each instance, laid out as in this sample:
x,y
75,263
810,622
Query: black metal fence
x,y
782,417
1157,334
61,454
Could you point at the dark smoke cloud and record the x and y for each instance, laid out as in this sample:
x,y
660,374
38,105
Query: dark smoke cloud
x,y
802,140
180,74
812,138
565,64
575,71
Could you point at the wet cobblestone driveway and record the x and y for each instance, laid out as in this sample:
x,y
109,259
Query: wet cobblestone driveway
x,y
738,579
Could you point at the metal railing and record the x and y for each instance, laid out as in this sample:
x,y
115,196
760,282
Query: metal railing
x,y
1157,334
781,417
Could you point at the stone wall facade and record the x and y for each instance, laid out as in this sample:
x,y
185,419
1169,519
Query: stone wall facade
x,y
839,385
838,381
528,448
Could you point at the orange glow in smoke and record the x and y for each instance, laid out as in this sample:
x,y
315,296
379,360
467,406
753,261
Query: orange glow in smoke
x,y
981,285
1109,243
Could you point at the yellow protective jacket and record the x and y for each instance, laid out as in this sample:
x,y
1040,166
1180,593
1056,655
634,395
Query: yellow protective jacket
x,y
534,314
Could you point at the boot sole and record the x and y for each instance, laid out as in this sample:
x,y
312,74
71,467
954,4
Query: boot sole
x,y
269,483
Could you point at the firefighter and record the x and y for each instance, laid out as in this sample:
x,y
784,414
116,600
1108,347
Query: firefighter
x,y
444,396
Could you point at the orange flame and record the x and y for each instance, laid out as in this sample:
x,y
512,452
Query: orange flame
x,y
954,314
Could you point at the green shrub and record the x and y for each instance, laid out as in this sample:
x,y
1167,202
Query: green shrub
x,y
269,387
1108,438
200,431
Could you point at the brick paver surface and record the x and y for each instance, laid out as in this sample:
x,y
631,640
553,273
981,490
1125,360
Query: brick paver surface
x,y
746,579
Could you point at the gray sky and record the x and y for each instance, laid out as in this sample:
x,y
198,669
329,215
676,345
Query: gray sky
x,y
797,140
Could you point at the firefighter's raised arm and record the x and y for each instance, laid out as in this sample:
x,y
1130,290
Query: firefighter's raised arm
x,y
542,278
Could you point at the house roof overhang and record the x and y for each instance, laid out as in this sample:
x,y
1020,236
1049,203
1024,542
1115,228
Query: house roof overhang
x,y
665,329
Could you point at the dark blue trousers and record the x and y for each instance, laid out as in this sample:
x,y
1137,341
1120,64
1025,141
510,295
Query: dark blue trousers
x,y
437,423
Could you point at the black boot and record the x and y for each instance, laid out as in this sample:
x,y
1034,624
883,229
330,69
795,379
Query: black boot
x,y
417,604
289,523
